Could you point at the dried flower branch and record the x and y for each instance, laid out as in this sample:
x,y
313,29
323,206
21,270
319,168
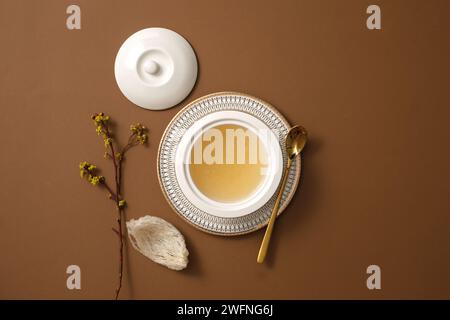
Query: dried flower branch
x,y
89,171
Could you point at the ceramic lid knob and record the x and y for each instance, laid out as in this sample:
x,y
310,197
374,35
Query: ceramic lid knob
x,y
151,67
156,68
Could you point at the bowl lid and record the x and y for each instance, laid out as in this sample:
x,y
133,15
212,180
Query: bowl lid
x,y
155,68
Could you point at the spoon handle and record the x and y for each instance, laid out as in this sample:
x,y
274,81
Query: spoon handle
x,y
265,243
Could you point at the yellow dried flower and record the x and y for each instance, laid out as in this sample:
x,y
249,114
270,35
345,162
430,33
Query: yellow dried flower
x,y
107,141
140,132
95,180
83,164
122,204
142,138
87,170
100,118
86,167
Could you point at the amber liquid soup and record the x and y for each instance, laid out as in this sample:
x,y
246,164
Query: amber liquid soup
x,y
228,163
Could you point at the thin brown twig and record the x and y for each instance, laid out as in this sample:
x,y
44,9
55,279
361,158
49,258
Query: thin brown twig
x,y
112,194
117,164
138,136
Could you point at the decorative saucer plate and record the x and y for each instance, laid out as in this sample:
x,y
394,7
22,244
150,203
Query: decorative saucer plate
x,y
207,215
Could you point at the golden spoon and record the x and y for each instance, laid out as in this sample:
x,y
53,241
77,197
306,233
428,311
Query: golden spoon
x,y
295,142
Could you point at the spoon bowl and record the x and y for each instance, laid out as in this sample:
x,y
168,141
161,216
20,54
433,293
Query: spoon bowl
x,y
295,141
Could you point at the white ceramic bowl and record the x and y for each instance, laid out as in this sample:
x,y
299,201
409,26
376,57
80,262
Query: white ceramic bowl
x,y
265,190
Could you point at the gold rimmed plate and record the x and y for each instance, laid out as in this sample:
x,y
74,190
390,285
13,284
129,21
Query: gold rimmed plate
x,y
180,183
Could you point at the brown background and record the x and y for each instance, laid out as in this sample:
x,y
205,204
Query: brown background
x,y
375,183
